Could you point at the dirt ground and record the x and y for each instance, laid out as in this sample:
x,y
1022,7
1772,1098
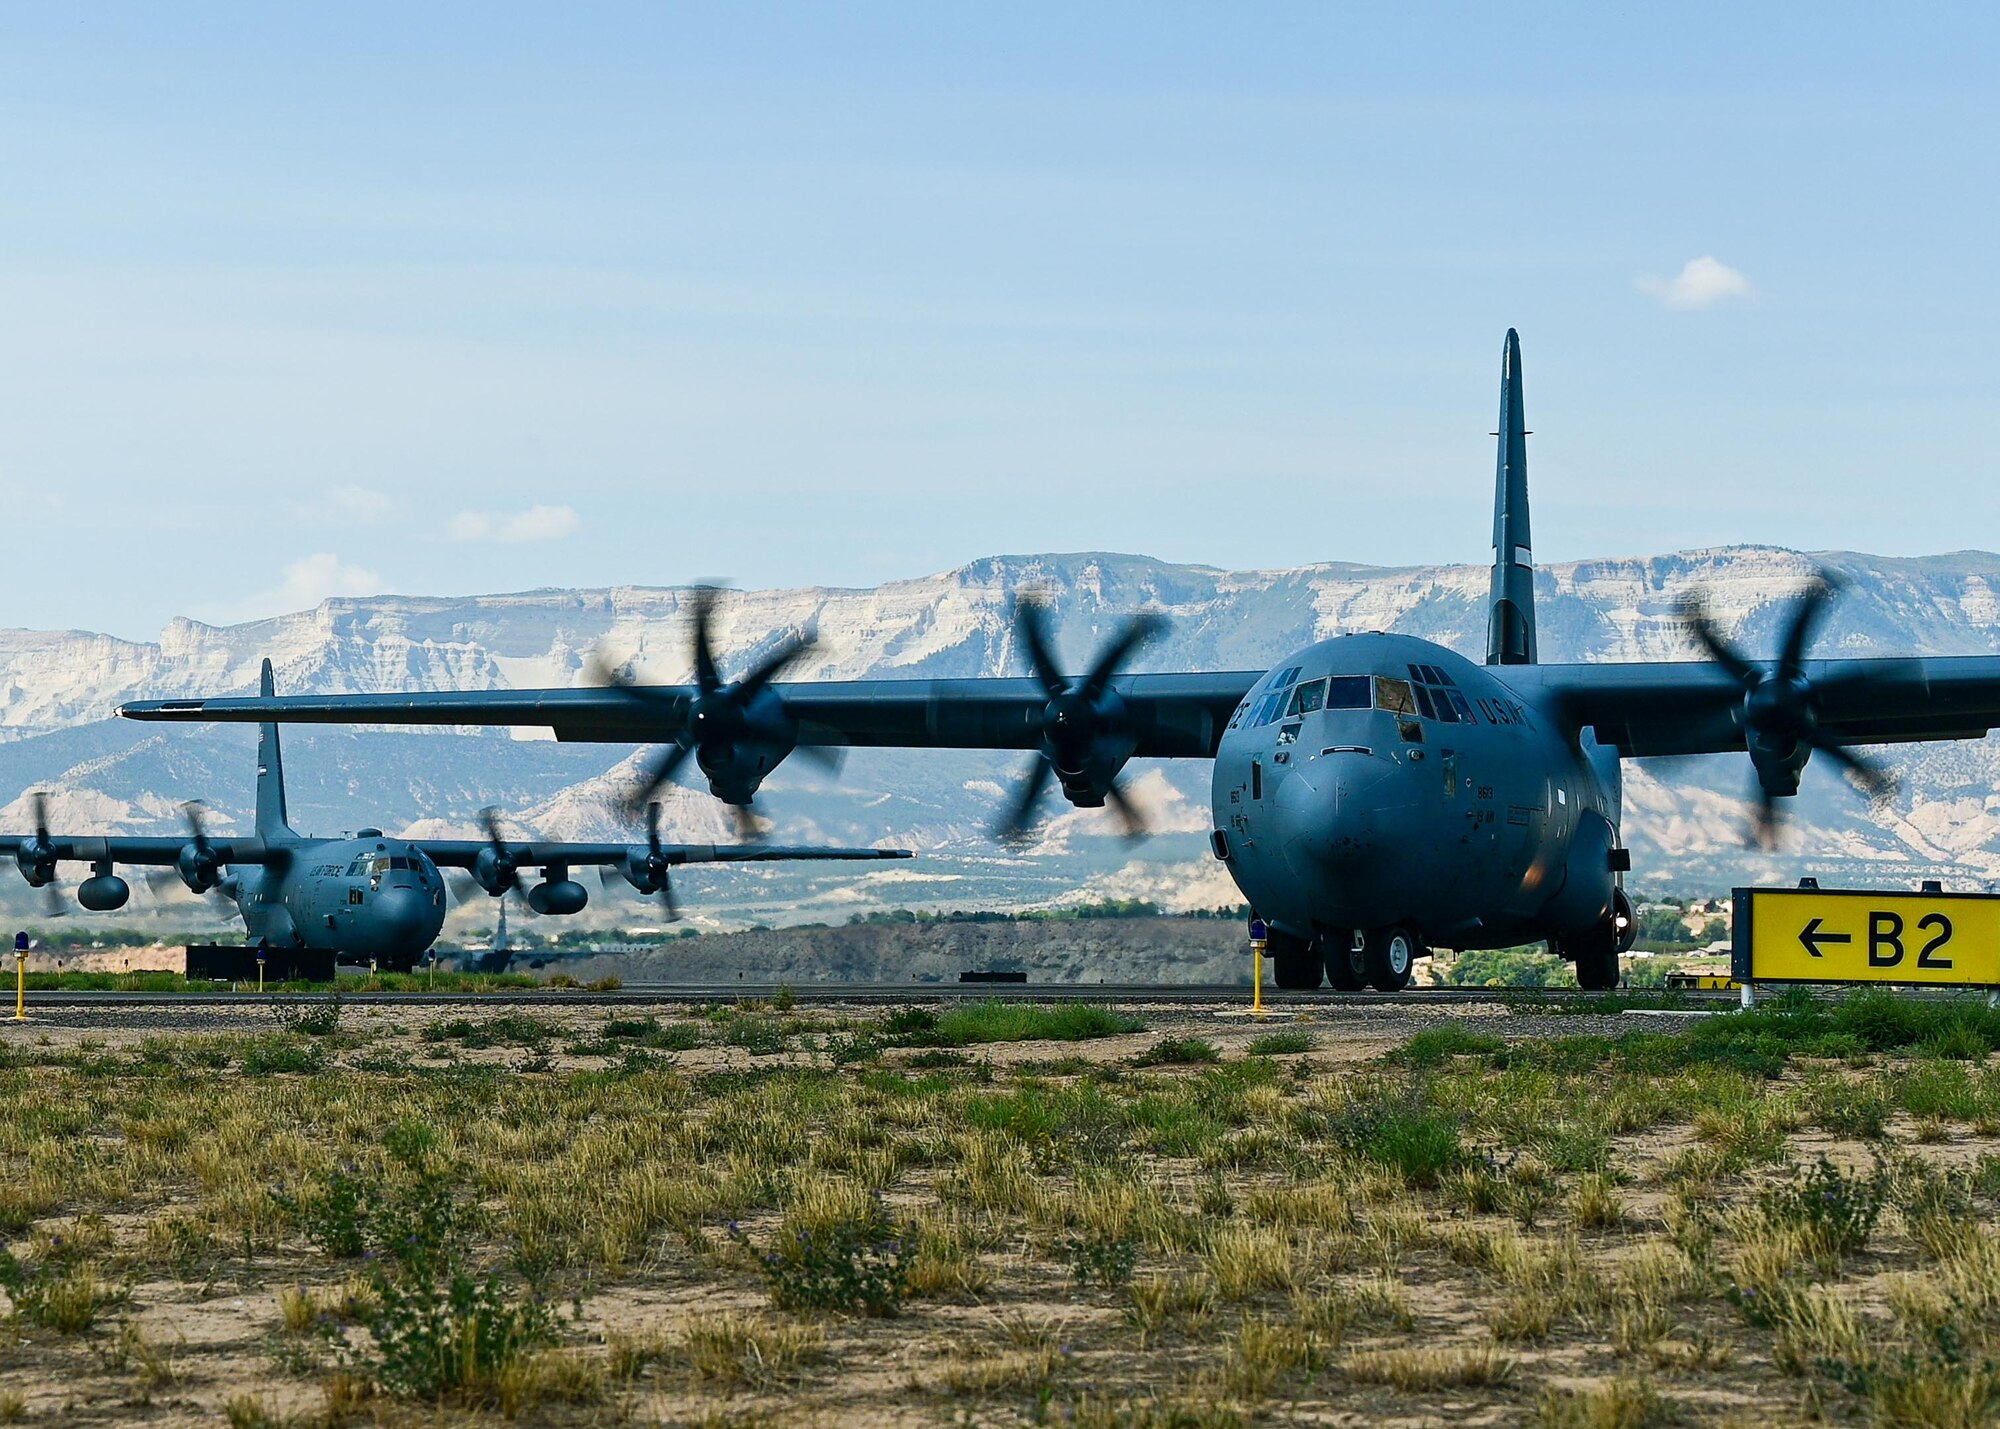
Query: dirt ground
x,y
1140,1215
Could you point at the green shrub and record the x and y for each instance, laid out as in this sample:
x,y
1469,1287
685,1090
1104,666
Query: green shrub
x,y
853,1263
54,1292
277,1052
1101,1259
983,1022
759,1036
1281,1044
436,1326
1178,1052
1399,1132
1841,1209
1440,1044
1941,1089
330,1214
318,1018
1849,1108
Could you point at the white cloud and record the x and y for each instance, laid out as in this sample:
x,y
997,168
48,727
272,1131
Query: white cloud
x,y
537,523
361,503
304,584
1703,283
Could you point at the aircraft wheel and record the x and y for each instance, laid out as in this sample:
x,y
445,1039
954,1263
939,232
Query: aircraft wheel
x,y
1596,955
1390,955
1294,962
1346,968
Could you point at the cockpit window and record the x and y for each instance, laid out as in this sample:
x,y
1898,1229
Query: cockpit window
x,y
359,868
1393,694
1438,697
1307,698
1348,692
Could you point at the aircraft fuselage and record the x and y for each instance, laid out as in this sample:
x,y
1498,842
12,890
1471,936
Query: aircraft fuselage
x,y
369,896
1376,781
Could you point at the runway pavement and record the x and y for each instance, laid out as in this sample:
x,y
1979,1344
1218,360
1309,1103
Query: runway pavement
x,y
835,994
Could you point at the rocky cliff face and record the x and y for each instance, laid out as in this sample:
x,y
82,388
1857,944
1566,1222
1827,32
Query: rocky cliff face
x,y
58,691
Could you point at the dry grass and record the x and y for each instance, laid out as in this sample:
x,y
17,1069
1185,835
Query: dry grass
x,y
1425,1369
1570,1239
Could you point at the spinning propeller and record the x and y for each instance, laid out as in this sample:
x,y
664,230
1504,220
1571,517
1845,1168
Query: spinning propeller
x,y
737,731
1781,706
37,859
199,865
650,874
497,870
1086,731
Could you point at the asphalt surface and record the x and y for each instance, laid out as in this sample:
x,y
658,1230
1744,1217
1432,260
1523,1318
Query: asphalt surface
x,y
835,994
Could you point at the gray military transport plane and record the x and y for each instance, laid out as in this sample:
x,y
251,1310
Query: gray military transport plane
x,y
1374,795
369,895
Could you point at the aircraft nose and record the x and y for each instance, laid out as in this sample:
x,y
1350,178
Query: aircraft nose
x,y
403,915
1343,814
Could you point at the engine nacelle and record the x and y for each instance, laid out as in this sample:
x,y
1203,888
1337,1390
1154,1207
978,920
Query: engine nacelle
x,y
198,868
493,871
736,769
558,896
103,893
36,863
639,870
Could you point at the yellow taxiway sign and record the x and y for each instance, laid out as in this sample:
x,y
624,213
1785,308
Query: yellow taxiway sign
x,y
1855,935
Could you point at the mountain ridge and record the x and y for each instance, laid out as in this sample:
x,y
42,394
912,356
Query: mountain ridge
x,y
59,690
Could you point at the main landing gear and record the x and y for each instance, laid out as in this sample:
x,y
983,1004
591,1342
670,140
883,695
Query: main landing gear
x,y
1385,960
1596,953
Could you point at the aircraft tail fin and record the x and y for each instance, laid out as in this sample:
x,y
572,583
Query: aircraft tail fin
x,y
271,817
1510,626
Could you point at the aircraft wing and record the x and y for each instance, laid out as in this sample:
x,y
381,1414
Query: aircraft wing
x,y
1695,707
1171,716
540,853
156,852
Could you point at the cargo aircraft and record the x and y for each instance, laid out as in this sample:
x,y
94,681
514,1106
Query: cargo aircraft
x,y
1374,795
369,895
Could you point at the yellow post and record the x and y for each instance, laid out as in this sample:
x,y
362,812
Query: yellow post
x,y
260,970
21,979
1257,976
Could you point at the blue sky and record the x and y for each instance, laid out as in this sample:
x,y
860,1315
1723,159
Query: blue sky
x,y
300,300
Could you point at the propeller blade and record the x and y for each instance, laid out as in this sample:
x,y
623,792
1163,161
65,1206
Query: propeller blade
x,y
1694,617
771,666
1031,624
1869,776
701,605
1128,812
1020,814
669,910
659,774
747,828
53,903
1810,609
41,807
1136,632
1763,817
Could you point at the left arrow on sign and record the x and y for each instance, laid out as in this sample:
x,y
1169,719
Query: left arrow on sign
x,y
1812,937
